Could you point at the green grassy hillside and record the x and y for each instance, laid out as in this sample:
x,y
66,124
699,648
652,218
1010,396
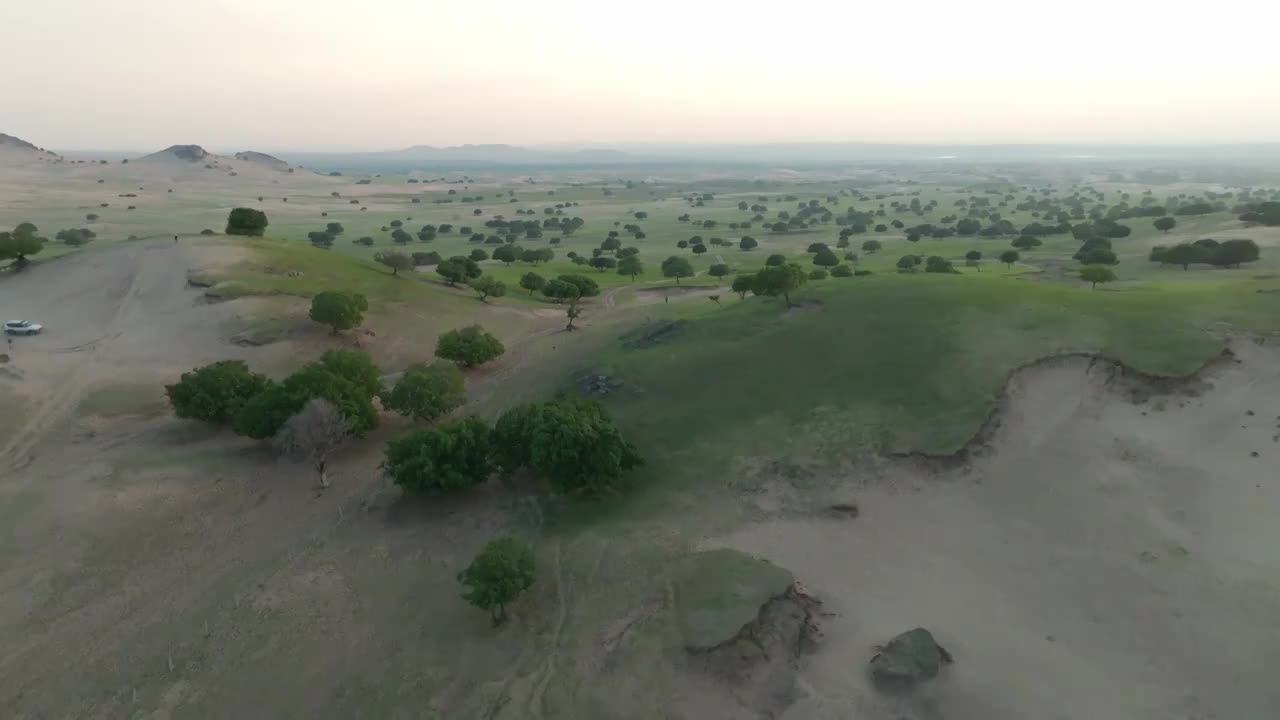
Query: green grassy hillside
x,y
899,362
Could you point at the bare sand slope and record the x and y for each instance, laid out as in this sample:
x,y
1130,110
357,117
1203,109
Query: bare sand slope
x,y
1102,559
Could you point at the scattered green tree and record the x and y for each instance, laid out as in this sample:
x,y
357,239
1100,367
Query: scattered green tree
x,y
532,282
338,309
842,271
215,393
937,264
426,392
1094,274
451,457
395,260
630,265
743,283
570,443
779,280
676,267
497,576
1009,257
487,286
825,257
469,346
246,221
747,243
1165,224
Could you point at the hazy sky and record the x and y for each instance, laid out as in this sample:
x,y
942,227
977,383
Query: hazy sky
x,y
383,74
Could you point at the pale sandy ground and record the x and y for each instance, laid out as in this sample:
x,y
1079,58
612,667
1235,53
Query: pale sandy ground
x,y
1104,560
112,316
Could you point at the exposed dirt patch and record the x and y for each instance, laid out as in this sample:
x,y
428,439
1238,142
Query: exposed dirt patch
x,y
804,306
1100,542
654,333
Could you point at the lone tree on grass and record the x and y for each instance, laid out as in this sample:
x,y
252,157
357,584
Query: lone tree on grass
x,y
871,246
718,271
824,257
20,243
676,267
1095,274
779,280
747,243
338,309
1184,254
572,313
458,269
971,259
1165,224
532,282
503,569
313,434
842,271
1233,253
246,221
1009,257
630,265
426,392
469,346
742,284
448,458
559,290
395,260
938,264
486,286
506,254
215,393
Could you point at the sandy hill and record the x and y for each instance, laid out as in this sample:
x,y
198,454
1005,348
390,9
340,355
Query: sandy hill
x,y
263,160
182,154
15,151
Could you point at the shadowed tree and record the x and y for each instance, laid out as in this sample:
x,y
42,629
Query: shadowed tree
x,y
338,309
486,286
426,392
779,280
1094,274
498,575
447,458
630,265
1165,224
469,346
214,393
676,267
972,259
1009,257
718,271
245,221
1184,254
395,260
747,243
315,432
532,282
743,283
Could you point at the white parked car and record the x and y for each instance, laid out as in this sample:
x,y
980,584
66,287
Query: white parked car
x,y
22,327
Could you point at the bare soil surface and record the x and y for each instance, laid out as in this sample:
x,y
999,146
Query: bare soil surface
x,y
1104,556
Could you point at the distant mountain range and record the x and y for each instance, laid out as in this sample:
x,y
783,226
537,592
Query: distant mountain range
x,y
657,156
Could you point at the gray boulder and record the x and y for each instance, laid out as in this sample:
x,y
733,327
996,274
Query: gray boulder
x,y
907,659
